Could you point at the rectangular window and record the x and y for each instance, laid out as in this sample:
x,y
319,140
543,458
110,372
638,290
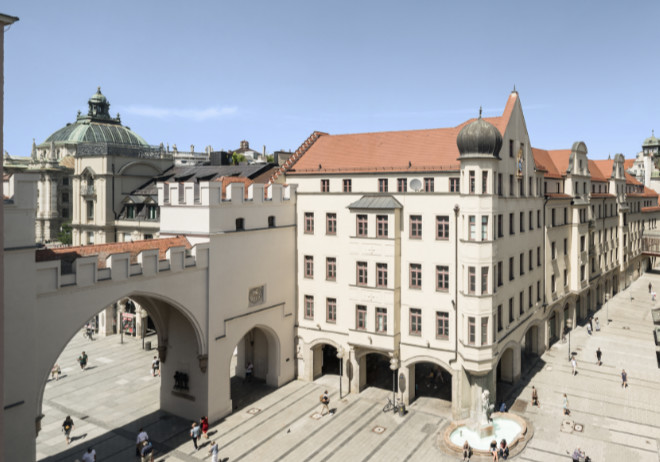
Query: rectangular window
x,y
484,280
381,226
499,274
415,226
531,260
484,182
565,246
271,221
429,185
442,227
472,279
522,222
90,210
240,224
510,310
531,220
553,283
442,277
484,228
381,319
511,190
309,307
472,328
472,228
454,185
442,325
582,273
348,185
565,278
361,224
309,266
472,182
484,330
566,214
538,218
415,321
309,222
529,296
521,302
330,223
510,148
511,269
512,229
415,276
381,274
553,251
552,214
331,310
538,256
499,318
499,184
500,226
538,291
401,185
325,185
522,264
360,317
331,269
362,273
382,185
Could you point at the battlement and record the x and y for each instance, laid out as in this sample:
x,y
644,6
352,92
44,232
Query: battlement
x,y
226,191
89,269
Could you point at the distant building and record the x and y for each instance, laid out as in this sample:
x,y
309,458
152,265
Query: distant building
x,y
646,166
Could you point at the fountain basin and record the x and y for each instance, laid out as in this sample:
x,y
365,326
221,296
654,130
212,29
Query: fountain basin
x,y
506,426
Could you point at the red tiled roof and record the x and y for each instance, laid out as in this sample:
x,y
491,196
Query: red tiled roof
x,y
410,150
105,250
544,162
655,208
227,180
602,196
647,192
558,196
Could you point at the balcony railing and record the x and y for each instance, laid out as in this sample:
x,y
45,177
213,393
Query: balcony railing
x,y
88,190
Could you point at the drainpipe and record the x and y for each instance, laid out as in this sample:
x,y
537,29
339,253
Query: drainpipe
x,y
456,210
113,201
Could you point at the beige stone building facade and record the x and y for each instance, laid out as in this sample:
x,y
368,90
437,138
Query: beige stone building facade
x,y
441,262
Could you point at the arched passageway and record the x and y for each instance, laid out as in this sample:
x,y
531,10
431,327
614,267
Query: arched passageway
x,y
253,367
553,329
505,367
325,361
378,373
431,381
107,393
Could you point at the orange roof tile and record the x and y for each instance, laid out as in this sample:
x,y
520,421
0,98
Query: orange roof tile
x,y
410,150
558,196
602,196
655,208
105,250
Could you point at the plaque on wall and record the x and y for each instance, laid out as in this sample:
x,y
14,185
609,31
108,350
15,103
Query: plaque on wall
x,y
256,295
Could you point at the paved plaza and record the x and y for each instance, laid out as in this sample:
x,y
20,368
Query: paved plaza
x,y
117,395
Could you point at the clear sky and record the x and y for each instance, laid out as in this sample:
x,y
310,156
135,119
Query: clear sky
x,y
272,72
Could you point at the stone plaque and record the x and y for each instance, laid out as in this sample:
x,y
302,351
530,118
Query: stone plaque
x,y
256,295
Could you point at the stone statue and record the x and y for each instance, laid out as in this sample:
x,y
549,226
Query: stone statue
x,y
487,408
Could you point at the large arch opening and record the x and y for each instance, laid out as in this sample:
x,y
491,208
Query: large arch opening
x,y
118,391
253,367
431,381
553,328
325,360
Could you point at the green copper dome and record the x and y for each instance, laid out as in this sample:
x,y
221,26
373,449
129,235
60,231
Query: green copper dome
x,y
651,141
96,127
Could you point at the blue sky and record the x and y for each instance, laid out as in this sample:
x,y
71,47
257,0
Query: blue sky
x,y
216,72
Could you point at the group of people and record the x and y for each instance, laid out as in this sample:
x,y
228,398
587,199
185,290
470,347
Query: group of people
x,y
199,429
590,325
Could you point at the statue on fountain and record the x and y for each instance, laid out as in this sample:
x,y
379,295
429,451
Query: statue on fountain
x,y
487,408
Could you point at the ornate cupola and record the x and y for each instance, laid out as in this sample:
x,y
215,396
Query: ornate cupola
x,y
479,139
99,107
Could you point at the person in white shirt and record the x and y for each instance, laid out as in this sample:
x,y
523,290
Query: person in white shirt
x,y
142,436
89,456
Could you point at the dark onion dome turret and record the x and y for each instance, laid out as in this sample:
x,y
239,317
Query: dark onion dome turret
x,y
480,138
651,140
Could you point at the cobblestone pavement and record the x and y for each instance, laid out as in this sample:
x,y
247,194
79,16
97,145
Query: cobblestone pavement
x,y
117,395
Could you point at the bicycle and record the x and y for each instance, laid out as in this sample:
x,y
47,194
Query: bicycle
x,y
393,407
88,333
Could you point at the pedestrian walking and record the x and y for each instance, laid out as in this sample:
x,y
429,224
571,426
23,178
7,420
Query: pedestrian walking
x,y
624,379
599,355
591,325
155,367
213,451
194,434
55,372
325,401
82,360
574,364
204,424
249,369
89,455
650,287
535,397
147,451
566,410
597,324
467,451
67,427
141,438
578,455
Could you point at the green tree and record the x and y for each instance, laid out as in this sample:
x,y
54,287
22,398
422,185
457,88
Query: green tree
x,y
270,158
236,158
65,234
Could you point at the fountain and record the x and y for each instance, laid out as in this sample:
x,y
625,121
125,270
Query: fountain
x,y
485,426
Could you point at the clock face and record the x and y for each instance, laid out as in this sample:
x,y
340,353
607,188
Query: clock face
x,y
256,295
